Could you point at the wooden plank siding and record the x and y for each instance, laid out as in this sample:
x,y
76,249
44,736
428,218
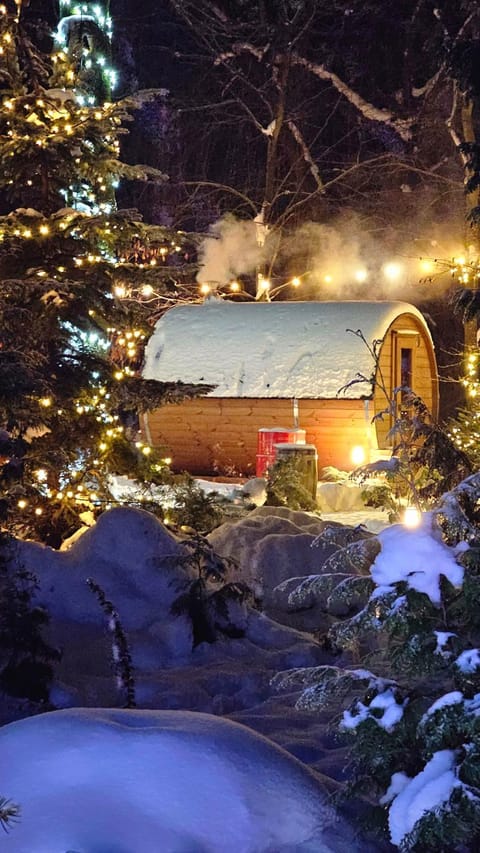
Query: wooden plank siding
x,y
219,435
424,373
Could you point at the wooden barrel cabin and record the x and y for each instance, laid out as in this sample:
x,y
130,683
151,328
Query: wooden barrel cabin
x,y
263,356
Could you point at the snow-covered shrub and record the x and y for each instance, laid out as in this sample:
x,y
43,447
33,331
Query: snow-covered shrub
x,y
194,508
286,486
414,715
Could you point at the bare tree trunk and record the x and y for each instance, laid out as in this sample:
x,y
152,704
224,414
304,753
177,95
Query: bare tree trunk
x,y
472,236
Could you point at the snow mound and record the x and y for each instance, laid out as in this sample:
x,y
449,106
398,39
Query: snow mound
x,y
140,567
142,781
133,557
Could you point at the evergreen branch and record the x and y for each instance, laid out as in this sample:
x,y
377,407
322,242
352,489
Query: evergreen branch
x,y
122,660
9,813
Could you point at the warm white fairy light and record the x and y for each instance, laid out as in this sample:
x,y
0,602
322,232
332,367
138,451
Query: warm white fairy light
x,y
392,270
427,266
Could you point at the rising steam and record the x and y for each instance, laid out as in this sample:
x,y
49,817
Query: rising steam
x,y
335,261
232,249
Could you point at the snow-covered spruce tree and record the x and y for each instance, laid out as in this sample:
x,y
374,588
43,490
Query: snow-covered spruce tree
x,y
69,341
464,429
84,36
415,715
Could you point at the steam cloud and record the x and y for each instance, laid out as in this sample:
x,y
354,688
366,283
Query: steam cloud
x,y
230,251
336,261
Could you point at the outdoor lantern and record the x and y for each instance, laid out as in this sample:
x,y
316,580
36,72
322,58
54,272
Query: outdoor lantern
x,y
411,516
358,455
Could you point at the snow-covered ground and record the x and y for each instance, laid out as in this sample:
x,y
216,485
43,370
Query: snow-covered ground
x,y
157,782
91,781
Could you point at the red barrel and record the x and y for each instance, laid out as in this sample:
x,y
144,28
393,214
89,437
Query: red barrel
x,y
267,438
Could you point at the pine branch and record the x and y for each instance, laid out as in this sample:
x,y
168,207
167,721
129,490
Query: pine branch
x,y
9,813
121,657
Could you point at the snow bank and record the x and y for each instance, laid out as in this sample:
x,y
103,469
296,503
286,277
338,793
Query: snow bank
x,y
138,564
145,781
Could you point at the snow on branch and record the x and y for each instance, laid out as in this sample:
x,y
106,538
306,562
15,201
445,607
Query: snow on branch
x,y
242,47
403,126
295,131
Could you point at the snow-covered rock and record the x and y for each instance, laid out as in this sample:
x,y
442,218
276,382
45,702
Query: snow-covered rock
x,y
137,563
345,496
129,553
271,545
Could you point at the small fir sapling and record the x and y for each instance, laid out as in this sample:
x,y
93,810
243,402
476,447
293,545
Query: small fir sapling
x,y
121,657
193,509
213,605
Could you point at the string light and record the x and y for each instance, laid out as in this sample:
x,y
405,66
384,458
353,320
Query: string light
x,y
392,270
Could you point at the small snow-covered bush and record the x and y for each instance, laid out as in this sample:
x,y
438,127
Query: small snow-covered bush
x,y
286,486
414,713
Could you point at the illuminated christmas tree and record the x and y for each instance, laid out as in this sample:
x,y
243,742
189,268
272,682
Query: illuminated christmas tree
x,y
76,279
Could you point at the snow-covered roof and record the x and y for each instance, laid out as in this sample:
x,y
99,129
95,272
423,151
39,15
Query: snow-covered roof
x,y
271,349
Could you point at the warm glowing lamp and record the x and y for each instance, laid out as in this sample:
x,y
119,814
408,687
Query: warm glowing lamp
x,y
358,455
411,517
